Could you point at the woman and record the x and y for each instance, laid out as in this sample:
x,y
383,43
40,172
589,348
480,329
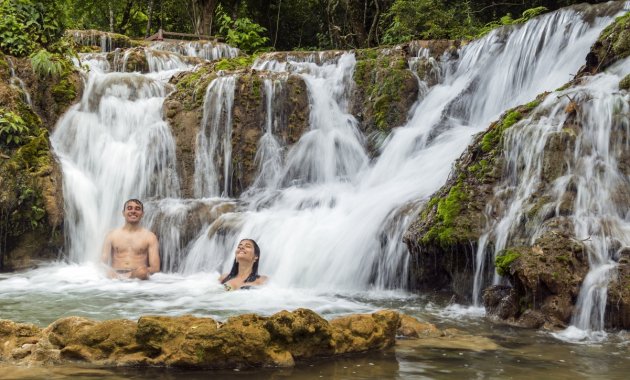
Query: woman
x,y
244,272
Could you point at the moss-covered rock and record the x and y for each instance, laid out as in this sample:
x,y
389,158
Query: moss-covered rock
x,y
31,204
442,240
624,84
385,89
612,45
95,40
184,111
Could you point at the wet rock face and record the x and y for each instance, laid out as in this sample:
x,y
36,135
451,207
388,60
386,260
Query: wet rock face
x,y
500,301
184,112
545,277
31,199
244,341
612,45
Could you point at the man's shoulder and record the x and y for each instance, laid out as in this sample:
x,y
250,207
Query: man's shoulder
x,y
148,233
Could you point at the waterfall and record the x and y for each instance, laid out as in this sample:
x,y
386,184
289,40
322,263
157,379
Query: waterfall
x,y
214,140
112,146
333,147
269,154
335,220
19,83
206,50
592,172
328,216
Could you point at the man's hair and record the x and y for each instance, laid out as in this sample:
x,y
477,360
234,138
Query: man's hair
x,y
135,201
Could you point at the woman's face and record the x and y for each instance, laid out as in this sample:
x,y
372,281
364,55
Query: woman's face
x,y
245,251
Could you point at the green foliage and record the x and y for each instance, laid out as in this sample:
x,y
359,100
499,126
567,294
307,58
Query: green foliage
x,y
46,64
27,25
508,20
503,261
13,129
423,19
242,32
624,84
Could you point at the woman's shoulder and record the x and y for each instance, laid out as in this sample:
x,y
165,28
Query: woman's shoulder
x,y
261,279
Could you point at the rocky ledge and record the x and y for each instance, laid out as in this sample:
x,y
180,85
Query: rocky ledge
x,y
247,340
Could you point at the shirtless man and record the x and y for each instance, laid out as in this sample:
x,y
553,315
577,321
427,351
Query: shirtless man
x,y
131,251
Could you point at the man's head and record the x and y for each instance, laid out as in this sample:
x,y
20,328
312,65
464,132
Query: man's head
x,y
133,210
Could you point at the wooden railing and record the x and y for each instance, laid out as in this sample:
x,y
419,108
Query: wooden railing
x,y
159,36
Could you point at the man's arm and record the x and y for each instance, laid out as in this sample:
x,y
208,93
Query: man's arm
x,y
154,254
106,255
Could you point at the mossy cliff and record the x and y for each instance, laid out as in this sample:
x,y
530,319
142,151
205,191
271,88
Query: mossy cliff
x,y
443,238
184,111
95,40
31,203
386,87
545,274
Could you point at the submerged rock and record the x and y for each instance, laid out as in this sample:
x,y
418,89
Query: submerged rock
x,y
247,340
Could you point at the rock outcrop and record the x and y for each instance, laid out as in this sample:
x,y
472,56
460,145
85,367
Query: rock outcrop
x,y
248,340
31,203
545,276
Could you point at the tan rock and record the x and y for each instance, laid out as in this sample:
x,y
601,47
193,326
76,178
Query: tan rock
x,y
411,327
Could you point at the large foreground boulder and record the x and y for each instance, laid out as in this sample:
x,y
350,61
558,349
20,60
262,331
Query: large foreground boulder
x,y
248,340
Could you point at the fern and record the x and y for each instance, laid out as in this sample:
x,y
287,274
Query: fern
x,y
46,64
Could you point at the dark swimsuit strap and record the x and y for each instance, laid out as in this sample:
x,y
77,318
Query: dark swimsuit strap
x,y
252,277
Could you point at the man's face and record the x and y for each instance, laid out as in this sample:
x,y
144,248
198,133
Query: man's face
x,y
133,212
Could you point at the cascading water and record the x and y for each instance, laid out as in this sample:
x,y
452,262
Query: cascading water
x,y
329,220
206,50
19,83
214,140
330,215
269,155
593,172
112,146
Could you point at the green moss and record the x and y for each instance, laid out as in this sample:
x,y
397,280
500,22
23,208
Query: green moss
x,y
381,79
563,259
533,104
625,83
503,261
492,138
479,169
448,209
613,31
256,86
230,64
564,86
4,68
64,92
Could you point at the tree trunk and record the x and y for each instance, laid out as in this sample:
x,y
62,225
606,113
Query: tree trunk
x,y
275,39
372,39
150,11
207,15
126,16
355,14
111,17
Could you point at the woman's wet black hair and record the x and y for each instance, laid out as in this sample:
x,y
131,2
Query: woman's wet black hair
x,y
234,271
